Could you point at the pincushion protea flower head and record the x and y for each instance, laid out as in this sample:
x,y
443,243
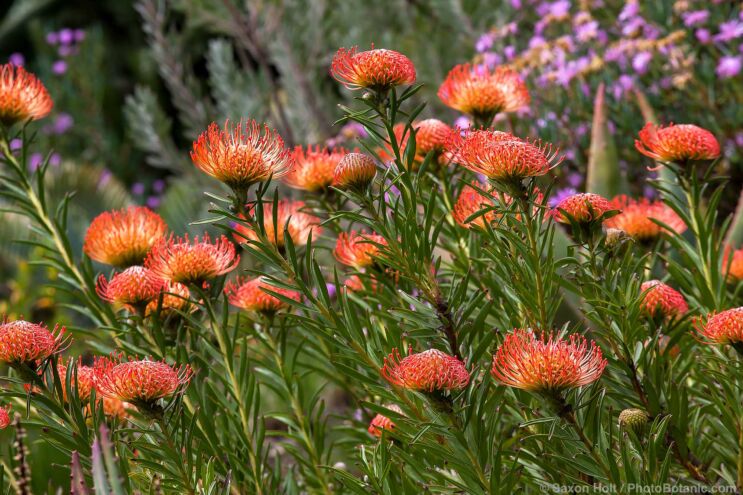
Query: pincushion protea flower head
x,y
313,168
375,69
5,416
136,286
84,382
140,382
178,259
581,208
25,343
677,143
359,250
251,295
430,136
546,364
428,371
662,300
174,296
289,213
725,327
482,92
471,201
354,171
123,238
354,283
381,422
499,155
636,218
22,96
735,272
241,154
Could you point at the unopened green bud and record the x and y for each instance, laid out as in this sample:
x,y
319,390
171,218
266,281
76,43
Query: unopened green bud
x,y
633,419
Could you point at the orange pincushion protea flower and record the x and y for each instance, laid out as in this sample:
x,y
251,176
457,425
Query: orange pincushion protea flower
x,y
177,259
135,286
354,283
123,238
376,69
314,168
22,342
431,135
174,296
500,155
481,92
677,143
381,422
581,208
636,218
300,224
114,408
725,327
358,250
241,154
662,300
471,201
83,384
4,417
251,295
22,96
546,364
140,382
354,171
735,273
425,371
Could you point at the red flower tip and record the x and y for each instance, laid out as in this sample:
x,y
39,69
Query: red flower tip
x,y
376,69
581,208
22,342
662,300
123,238
354,171
735,272
22,96
241,154
636,218
140,382
481,92
425,371
289,213
134,286
358,250
725,327
547,363
381,422
251,295
178,259
313,168
677,143
5,416
84,382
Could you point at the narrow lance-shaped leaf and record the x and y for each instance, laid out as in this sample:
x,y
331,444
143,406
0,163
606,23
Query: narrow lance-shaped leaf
x,y
603,175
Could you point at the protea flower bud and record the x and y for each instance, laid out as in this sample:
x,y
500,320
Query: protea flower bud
x,y
427,371
633,419
354,171
178,259
314,168
5,417
677,143
636,218
725,327
82,380
22,96
359,250
614,237
430,135
376,69
289,213
251,295
659,299
381,422
136,286
582,208
547,364
29,344
123,238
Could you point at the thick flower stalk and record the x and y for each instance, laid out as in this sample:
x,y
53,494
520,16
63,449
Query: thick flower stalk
x,y
659,299
426,371
678,143
314,168
252,295
136,287
23,343
289,213
4,416
358,249
375,69
123,238
582,208
482,92
381,422
241,154
22,96
637,218
725,327
179,259
354,171
547,364
471,201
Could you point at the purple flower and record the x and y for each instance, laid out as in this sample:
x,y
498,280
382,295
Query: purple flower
x,y
55,160
739,139
59,67
79,35
582,129
137,188
516,4
332,290
66,36
695,17
559,195
703,36
463,122
574,179
536,41
484,43
509,52
630,10
491,59
649,192
729,31
17,59
66,50
641,61
35,161
729,66
587,31
52,38
16,144
153,202
104,178
158,186
62,123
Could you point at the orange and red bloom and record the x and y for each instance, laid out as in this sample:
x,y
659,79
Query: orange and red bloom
x,y
677,143
289,213
178,259
174,296
83,384
636,218
26,343
547,364
471,201
482,92
313,168
241,154
375,69
735,272
5,416
431,135
22,96
354,283
123,238
659,299
136,286
428,371
725,327
381,422
252,295
359,250
582,208
354,171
